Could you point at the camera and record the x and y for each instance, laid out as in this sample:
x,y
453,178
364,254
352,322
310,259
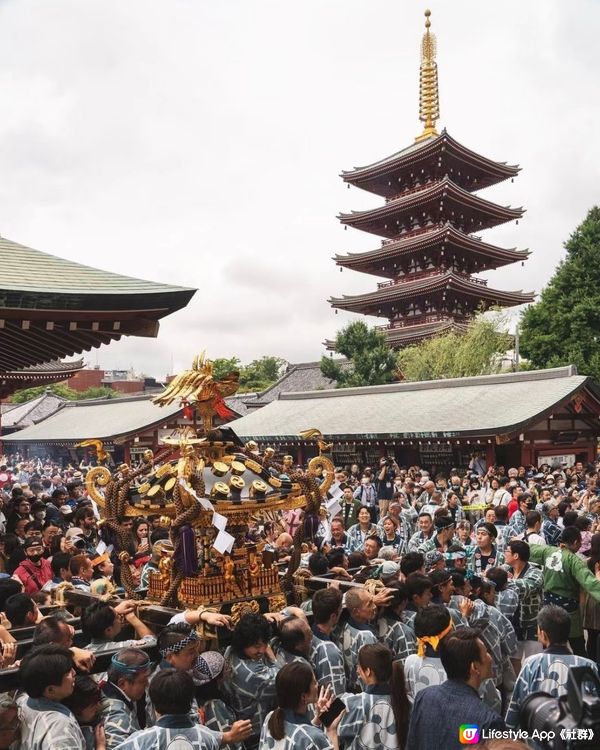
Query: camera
x,y
571,722
79,543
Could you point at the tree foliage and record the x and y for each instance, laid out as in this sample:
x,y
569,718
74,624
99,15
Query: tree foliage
x,y
223,366
478,351
563,327
63,391
373,361
256,376
260,374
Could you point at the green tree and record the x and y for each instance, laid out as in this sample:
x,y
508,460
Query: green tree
x,y
223,366
373,361
63,391
563,327
477,351
260,374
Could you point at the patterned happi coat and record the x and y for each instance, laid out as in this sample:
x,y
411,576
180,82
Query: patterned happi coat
x,y
299,734
353,637
408,618
422,671
529,586
251,688
508,637
369,720
151,713
327,662
507,601
48,725
119,715
173,731
397,636
217,715
545,672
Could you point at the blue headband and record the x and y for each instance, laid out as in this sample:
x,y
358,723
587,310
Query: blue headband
x,y
129,668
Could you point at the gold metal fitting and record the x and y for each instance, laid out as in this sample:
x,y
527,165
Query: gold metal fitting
x,y
258,488
219,469
237,468
220,491
170,483
237,483
163,470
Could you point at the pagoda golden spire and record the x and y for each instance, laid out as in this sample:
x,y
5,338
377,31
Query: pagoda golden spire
x,y
429,101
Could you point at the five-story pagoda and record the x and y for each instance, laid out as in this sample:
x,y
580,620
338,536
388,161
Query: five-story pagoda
x,y
429,252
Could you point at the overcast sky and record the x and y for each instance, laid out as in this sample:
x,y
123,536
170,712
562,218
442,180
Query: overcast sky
x,y
199,143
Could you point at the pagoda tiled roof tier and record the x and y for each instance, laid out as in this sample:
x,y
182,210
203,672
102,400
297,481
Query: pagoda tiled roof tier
x,y
411,334
36,375
404,335
51,307
435,204
434,158
446,239
381,301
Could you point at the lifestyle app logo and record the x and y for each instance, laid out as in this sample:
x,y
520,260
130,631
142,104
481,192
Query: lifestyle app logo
x,y
468,734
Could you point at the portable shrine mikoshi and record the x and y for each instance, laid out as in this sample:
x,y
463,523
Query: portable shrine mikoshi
x,y
206,489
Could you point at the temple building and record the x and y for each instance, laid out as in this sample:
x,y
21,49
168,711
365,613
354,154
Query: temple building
x,y
516,418
51,307
430,249
54,371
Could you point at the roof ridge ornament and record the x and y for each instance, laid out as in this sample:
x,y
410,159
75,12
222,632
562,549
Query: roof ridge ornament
x,y
429,101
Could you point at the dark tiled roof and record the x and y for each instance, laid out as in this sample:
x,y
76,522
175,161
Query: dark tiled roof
x,y
55,366
487,405
33,411
305,376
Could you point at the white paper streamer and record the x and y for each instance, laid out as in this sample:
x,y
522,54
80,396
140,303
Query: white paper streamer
x,y
219,521
224,542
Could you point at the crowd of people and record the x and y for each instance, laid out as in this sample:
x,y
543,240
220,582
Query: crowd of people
x,y
439,600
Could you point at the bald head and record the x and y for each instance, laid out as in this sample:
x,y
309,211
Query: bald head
x,y
295,636
360,605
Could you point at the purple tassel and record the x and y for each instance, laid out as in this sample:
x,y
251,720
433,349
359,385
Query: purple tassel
x,y
311,525
186,557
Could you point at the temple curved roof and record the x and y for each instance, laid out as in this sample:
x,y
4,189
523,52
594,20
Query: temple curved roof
x,y
406,335
35,375
52,307
377,302
440,154
379,262
443,200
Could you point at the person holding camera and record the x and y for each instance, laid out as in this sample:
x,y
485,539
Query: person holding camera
x,y
388,469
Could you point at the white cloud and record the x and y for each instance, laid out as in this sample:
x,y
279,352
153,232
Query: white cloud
x,y
200,144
